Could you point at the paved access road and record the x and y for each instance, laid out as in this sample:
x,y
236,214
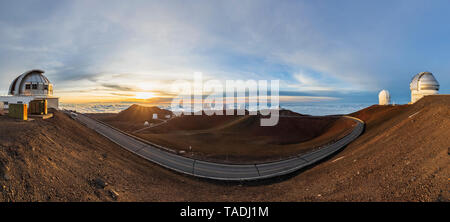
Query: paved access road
x,y
228,172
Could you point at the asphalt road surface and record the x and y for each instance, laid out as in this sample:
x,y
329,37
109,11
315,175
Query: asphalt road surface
x,y
227,172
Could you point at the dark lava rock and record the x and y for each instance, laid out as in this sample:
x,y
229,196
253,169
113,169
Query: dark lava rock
x,y
99,183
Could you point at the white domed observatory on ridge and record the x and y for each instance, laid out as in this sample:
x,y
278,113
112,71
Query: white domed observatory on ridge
x,y
423,84
384,97
31,85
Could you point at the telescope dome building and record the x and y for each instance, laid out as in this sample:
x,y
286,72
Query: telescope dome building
x,y
384,97
31,85
423,84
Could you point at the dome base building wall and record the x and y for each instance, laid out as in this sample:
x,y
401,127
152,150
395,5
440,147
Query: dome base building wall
x,y
416,95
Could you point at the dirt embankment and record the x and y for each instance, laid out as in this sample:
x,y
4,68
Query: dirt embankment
x,y
60,160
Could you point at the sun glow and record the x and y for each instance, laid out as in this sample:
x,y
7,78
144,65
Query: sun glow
x,y
144,95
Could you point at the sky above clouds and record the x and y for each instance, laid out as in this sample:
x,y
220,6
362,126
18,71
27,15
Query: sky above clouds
x,y
97,50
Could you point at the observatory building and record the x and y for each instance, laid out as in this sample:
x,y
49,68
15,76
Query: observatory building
x,y
423,84
28,87
384,97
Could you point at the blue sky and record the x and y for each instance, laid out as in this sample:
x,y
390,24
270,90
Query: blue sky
x,y
348,50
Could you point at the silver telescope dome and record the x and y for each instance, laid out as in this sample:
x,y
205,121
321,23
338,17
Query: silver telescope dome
x,y
423,84
31,83
424,81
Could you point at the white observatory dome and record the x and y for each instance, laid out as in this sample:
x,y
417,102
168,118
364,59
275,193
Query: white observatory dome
x,y
31,83
384,97
28,87
423,84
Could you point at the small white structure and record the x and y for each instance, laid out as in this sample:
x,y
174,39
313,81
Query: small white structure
x,y
423,84
168,116
155,116
146,123
384,97
29,86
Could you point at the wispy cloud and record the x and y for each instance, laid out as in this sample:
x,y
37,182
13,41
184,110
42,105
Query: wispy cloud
x,y
118,87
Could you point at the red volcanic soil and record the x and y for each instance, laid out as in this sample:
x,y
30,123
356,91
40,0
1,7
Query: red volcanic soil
x,y
375,115
289,130
241,139
140,114
134,117
59,159
400,157
194,122
202,121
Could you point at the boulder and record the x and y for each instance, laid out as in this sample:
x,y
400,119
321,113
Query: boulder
x,y
99,183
